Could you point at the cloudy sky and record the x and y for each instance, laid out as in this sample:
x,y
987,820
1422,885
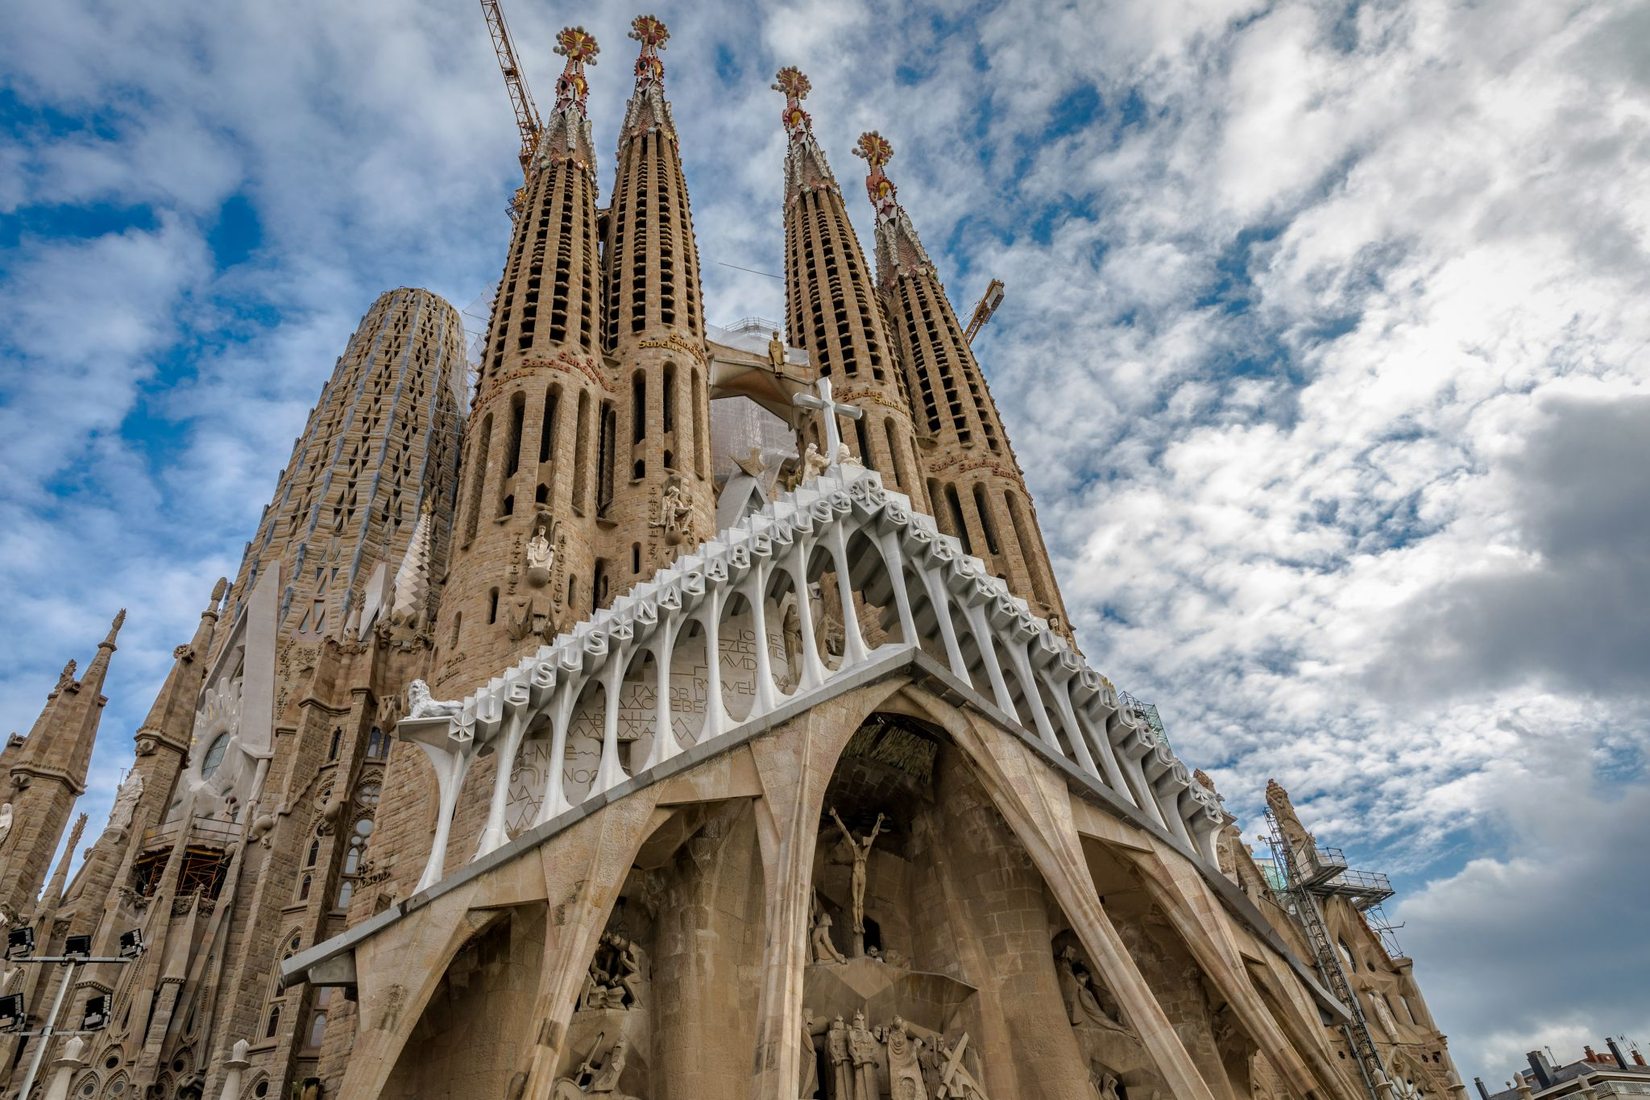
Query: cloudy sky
x,y
1324,351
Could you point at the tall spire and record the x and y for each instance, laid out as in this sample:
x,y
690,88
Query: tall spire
x,y
652,34
830,302
567,131
579,47
805,166
47,773
543,414
978,491
661,496
899,251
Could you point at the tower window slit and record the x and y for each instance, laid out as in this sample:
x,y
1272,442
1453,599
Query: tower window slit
x,y
581,457
954,503
987,528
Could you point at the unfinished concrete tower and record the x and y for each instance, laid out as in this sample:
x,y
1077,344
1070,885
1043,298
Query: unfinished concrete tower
x,y
975,484
659,494
831,307
532,491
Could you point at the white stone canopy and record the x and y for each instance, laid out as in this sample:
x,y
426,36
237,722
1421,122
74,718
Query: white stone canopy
x,y
932,595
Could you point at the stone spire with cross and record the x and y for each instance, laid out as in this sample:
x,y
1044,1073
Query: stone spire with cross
x,y
830,303
654,338
544,403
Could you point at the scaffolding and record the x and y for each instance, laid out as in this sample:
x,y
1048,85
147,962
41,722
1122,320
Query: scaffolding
x,y
1306,874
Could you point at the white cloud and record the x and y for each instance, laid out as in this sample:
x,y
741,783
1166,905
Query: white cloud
x,y
1314,337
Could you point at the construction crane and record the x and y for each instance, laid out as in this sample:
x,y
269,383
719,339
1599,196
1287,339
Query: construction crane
x,y
989,301
527,115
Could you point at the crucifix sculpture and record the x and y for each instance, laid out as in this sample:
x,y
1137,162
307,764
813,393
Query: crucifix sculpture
x,y
832,409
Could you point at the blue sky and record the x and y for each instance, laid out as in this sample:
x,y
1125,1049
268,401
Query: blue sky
x,y
1324,352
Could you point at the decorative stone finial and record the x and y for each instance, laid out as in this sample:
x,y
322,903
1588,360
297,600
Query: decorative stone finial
x,y
652,34
114,628
579,47
796,87
874,149
66,678
219,589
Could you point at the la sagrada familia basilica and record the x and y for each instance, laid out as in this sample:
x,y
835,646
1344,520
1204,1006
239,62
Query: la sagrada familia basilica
x,y
688,713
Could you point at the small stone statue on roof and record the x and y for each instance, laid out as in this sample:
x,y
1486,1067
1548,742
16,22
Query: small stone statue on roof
x,y
776,352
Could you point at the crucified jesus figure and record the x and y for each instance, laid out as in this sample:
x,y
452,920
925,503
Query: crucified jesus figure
x,y
862,853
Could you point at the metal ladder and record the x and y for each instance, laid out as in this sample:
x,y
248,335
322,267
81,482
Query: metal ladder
x,y
1328,961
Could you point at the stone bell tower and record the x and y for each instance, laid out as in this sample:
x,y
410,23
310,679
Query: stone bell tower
x,y
831,307
45,773
531,490
656,463
977,490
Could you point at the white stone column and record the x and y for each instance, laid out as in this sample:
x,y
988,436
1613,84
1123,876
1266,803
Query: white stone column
x,y
506,746
988,657
237,1065
450,768
608,773
755,585
893,560
853,642
941,600
710,620
63,1068
664,737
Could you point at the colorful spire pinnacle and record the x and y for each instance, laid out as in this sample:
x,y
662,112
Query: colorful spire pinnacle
x,y
652,34
876,152
579,47
796,87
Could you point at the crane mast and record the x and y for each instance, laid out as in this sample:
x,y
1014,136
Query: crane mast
x,y
527,115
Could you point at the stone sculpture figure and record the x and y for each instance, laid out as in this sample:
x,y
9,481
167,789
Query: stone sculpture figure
x,y
813,463
904,1073
862,854
674,511
845,457
836,1052
1103,1084
539,554
776,352
790,627
595,987
1082,1002
5,822
1382,1013
951,1079
606,1079
120,817
628,970
824,950
862,1050
596,1077
810,1060
422,705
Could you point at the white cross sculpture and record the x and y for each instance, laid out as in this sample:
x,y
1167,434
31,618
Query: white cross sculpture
x,y
832,410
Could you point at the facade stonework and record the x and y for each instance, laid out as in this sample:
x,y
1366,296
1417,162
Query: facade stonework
x,y
565,747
